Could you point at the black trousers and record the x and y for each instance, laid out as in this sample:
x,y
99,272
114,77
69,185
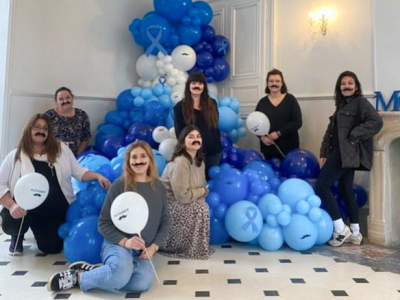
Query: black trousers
x,y
331,171
211,160
44,229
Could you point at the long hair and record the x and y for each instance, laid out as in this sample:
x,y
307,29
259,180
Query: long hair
x,y
284,89
52,146
63,88
338,92
129,174
207,104
181,150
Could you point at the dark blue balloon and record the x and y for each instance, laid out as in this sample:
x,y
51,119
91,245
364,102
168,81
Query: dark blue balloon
x,y
302,163
154,113
87,152
84,241
231,185
275,163
106,131
361,195
111,145
142,132
263,169
218,233
73,212
114,117
136,115
204,59
105,170
208,33
251,155
220,46
221,69
225,141
124,100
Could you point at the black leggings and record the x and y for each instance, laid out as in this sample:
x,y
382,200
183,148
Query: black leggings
x,y
331,171
44,229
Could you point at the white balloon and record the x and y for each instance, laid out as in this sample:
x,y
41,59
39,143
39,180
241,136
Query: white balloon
x,y
171,81
160,55
140,82
172,133
183,57
147,83
167,147
31,190
212,88
160,133
160,64
258,123
168,67
174,72
167,59
178,92
129,212
146,67
155,81
181,79
162,71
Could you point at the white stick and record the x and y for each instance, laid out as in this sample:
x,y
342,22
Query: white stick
x,y
280,151
155,273
19,233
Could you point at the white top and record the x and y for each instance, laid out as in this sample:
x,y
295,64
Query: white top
x,y
66,166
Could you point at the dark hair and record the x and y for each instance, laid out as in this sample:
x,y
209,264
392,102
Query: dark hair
x,y
284,89
207,104
52,146
63,88
180,147
338,92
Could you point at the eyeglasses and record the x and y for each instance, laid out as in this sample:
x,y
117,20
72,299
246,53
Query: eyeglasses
x,y
38,128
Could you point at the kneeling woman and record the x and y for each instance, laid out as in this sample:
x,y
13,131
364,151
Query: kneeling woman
x,y
184,179
126,264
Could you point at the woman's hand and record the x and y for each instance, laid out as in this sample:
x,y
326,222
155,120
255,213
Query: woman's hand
x,y
104,182
273,136
135,243
266,140
17,212
322,161
151,250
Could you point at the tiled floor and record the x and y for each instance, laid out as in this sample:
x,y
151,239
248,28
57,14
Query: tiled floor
x,y
235,271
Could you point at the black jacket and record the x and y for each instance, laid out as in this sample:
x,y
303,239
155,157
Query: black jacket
x,y
357,123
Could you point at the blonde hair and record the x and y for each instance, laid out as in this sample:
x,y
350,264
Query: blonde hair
x,y
129,174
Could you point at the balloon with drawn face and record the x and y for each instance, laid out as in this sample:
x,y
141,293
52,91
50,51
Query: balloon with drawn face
x,y
183,57
301,234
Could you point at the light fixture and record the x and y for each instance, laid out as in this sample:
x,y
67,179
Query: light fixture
x,y
319,19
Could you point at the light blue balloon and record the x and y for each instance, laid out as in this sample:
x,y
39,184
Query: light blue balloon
x,y
287,208
227,119
235,106
121,151
315,214
243,221
275,206
263,203
138,101
284,218
233,135
272,220
147,93
325,228
270,238
167,90
158,89
301,234
136,91
117,160
165,101
314,201
242,132
303,207
254,242
224,101
293,190
160,162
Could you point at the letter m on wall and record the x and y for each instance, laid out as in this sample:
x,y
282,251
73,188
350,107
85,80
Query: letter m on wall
x,y
380,101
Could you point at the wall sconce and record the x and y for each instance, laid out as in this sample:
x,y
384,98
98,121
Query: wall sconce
x,y
319,20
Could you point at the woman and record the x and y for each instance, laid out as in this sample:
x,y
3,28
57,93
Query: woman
x,y
39,151
71,125
346,147
126,264
197,108
183,177
284,115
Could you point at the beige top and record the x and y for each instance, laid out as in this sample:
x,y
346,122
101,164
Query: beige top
x,y
184,181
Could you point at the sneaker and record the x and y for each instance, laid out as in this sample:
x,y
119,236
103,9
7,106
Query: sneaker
x,y
83,266
340,237
356,239
63,281
16,248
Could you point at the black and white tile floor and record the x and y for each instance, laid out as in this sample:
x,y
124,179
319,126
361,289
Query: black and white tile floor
x,y
235,271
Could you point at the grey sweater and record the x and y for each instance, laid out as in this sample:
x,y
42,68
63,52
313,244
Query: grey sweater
x,y
156,229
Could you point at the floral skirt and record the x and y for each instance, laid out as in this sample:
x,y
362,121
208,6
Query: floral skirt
x,y
189,231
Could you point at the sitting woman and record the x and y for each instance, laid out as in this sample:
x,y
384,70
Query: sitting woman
x,y
126,264
184,179
39,151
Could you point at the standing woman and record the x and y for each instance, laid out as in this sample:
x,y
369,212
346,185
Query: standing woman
x,y
184,179
347,146
71,125
126,263
197,108
284,114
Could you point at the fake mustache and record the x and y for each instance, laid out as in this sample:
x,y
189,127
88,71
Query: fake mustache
x,y
41,134
274,86
197,88
196,142
347,90
65,103
138,164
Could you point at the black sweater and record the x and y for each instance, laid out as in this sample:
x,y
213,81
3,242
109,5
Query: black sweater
x,y
211,137
286,117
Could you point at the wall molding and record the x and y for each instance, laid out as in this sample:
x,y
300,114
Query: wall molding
x,y
51,96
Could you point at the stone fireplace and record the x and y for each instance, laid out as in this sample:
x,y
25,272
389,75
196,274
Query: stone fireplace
x,y
384,193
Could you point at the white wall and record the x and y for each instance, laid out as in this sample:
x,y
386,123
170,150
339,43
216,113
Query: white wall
x,y
84,45
4,18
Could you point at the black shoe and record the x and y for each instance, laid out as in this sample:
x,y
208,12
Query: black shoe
x,y
83,266
63,281
16,248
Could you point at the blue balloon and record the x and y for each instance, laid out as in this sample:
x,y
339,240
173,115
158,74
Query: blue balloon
x,y
92,161
294,190
124,100
325,228
154,113
221,69
302,163
220,211
218,233
315,214
231,185
227,119
189,34
213,200
142,132
89,210
272,220
73,212
270,238
106,131
63,230
105,170
243,221
99,199
160,162
264,202
136,115
84,198
136,91
84,241
361,195
205,59
220,46
263,169
284,218
111,145
205,13
225,141
302,207
172,10
301,234
208,34
151,26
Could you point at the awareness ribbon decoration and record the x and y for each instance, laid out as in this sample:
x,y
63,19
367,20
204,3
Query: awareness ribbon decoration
x,y
155,40
251,214
224,47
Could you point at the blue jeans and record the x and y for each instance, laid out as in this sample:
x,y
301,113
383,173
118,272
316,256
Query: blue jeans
x,y
122,270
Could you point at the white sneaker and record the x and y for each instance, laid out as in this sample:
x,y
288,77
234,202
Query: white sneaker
x,y
356,239
340,237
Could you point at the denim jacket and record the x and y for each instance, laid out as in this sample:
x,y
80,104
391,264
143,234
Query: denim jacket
x,y
357,122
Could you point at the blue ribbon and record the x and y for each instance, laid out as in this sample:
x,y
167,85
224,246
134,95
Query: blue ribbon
x,y
162,80
224,47
155,40
251,214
